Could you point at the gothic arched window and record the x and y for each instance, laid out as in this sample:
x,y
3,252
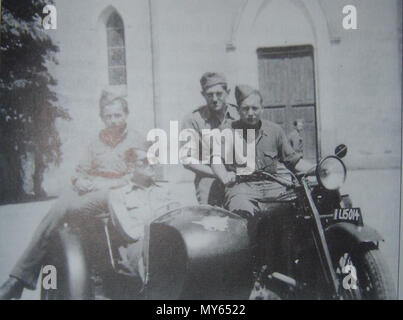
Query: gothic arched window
x,y
116,50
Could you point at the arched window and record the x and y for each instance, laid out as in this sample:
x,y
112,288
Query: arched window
x,y
116,50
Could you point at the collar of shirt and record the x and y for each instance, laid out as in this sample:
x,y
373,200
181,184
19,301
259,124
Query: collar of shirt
x,y
229,114
112,139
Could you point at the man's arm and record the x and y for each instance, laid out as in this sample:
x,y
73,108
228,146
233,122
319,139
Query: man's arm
x,y
86,179
81,179
305,166
101,183
221,172
292,159
200,169
193,150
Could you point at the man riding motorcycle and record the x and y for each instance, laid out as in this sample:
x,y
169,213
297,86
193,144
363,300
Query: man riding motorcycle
x,y
110,163
271,146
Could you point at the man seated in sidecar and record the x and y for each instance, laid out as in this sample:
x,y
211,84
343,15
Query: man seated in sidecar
x,y
271,146
132,209
110,163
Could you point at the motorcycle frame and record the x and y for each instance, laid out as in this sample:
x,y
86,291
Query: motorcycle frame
x,y
318,232
320,242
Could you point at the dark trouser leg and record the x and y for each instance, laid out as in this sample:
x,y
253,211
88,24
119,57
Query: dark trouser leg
x,y
243,199
28,266
209,191
273,234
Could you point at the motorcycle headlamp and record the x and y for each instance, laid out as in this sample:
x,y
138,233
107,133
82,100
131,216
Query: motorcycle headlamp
x,y
331,173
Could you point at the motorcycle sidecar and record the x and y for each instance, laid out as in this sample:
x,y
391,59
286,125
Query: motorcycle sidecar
x,y
199,252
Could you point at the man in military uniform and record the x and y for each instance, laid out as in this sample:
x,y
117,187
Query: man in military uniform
x,y
271,146
110,163
214,115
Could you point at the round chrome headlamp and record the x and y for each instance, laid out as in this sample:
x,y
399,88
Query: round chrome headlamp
x,y
331,173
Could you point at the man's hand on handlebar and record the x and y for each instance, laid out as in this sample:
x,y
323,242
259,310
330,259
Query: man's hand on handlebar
x,y
225,176
305,167
229,178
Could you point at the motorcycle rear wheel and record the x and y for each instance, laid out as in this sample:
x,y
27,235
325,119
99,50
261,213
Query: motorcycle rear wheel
x,y
367,279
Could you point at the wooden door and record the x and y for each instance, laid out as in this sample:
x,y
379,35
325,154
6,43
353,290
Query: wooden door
x,y
286,81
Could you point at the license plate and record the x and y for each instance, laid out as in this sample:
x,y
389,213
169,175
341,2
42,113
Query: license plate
x,y
351,215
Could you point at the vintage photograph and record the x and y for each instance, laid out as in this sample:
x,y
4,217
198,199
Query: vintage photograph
x,y
201,150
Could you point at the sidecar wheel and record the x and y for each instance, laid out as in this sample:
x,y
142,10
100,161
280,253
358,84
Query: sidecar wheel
x,y
371,278
72,277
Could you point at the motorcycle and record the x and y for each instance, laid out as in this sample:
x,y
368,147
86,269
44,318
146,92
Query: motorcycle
x,y
322,249
315,247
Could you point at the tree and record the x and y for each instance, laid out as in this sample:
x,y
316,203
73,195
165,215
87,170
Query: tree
x,y
28,105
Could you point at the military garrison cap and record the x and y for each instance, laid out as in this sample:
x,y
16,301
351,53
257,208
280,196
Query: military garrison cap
x,y
243,91
107,96
210,79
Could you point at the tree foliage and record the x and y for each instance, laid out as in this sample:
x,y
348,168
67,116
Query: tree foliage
x,y
28,105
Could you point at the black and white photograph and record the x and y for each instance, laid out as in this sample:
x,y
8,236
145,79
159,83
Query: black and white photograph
x,y
201,150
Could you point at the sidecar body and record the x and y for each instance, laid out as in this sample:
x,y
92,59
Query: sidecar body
x,y
199,252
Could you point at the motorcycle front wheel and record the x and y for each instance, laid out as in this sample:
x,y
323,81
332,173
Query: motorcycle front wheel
x,y
363,274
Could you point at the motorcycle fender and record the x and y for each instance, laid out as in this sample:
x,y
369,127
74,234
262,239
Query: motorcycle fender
x,y
343,231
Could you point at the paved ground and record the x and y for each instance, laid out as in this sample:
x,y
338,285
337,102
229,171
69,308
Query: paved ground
x,y
377,192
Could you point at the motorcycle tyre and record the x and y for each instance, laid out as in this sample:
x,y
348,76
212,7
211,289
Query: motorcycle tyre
x,y
371,268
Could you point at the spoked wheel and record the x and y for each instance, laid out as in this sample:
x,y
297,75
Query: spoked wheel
x,y
363,275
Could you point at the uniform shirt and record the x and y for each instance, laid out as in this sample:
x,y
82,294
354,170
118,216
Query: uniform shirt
x,y
271,146
296,141
111,156
203,118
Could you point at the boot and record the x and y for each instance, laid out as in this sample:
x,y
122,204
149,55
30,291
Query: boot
x,y
11,289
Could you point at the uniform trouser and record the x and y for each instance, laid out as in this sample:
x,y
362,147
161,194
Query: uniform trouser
x,y
244,200
209,191
28,267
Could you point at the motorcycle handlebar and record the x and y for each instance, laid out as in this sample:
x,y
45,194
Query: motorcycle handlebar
x,y
261,176
310,173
